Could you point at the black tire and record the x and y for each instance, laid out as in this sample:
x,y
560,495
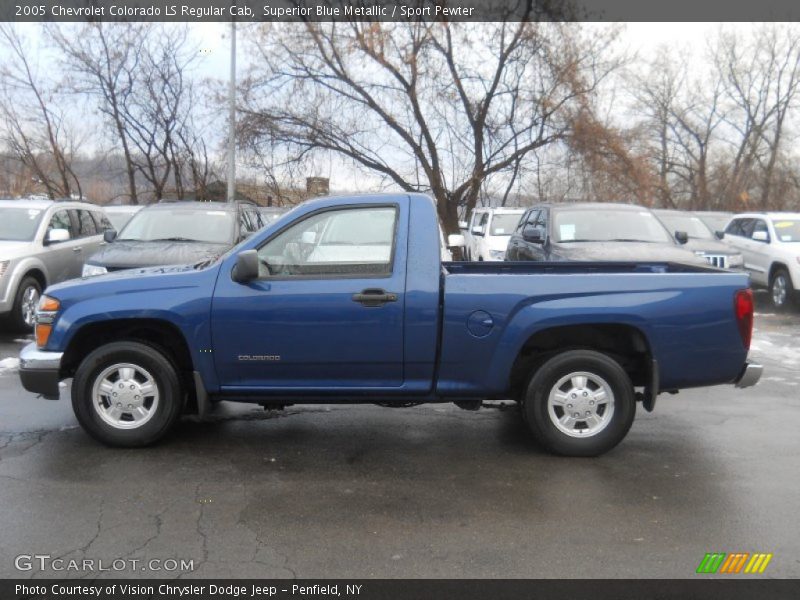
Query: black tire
x,y
601,368
166,379
781,281
17,316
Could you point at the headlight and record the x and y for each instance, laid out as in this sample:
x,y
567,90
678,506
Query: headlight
x,y
45,315
92,270
497,254
735,261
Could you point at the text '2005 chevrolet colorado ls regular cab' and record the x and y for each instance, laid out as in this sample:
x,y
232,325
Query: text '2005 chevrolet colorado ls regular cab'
x,y
347,300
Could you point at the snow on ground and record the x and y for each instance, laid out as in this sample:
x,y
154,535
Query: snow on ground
x,y
9,365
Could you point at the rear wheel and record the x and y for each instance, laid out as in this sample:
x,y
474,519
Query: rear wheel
x,y
127,394
580,403
26,301
781,290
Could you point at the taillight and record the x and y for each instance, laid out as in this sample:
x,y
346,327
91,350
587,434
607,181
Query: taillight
x,y
743,307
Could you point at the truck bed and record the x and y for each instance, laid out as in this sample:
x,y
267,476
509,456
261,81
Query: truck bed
x,y
684,312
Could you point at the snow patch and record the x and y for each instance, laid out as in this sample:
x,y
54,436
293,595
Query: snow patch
x,y
9,365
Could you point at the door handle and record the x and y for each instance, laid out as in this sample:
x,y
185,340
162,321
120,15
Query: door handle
x,y
374,297
77,249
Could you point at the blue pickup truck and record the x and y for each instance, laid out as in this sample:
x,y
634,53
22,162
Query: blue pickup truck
x,y
346,300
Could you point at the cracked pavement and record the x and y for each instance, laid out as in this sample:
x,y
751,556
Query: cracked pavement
x,y
432,491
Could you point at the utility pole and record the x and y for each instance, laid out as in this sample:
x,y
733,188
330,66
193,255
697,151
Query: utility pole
x,y
232,119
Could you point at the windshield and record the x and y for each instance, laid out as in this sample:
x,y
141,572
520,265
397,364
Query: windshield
x,y
118,219
693,226
787,230
504,224
180,224
606,225
19,224
716,222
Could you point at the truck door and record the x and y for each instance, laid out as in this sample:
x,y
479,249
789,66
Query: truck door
x,y
327,310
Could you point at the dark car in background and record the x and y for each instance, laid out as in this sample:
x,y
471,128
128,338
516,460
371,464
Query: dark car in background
x,y
175,233
696,236
592,231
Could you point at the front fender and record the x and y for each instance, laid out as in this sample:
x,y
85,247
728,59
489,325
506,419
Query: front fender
x,y
183,301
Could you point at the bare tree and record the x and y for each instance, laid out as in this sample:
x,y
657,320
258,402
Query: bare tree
x,y
103,61
761,74
439,107
35,129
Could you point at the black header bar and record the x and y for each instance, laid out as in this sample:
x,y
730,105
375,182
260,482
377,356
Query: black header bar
x,y
397,10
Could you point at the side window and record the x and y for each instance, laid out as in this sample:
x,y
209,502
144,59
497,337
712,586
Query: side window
x,y
84,223
245,222
60,220
734,227
522,221
740,227
255,218
760,226
541,222
473,222
484,219
344,242
101,221
533,217
258,222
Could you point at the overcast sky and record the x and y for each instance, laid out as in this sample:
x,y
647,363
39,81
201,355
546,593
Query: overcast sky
x,y
213,40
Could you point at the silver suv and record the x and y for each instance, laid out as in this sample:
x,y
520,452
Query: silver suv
x,y
43,242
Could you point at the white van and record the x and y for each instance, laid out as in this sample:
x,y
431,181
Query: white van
x,y
489,231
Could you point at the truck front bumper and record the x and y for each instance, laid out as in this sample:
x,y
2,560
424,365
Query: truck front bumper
x,y
39,371
749,375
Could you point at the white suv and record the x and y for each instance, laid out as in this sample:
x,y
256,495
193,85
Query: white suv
x,y
770,244
43,242
489,231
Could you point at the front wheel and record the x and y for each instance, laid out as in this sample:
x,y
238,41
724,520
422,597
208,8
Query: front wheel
x,y
580,403
127,394
26,301
781,290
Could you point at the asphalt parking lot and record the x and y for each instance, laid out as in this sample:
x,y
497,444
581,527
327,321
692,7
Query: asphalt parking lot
x,y
421,492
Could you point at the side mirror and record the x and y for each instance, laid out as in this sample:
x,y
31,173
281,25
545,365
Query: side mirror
x,y
109,235
477,230
720,235
760,236
455,240
55,236
246,268
533,235
682,237
308,237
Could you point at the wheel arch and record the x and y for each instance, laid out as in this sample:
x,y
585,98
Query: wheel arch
x,y
775,267
625,343
161,333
